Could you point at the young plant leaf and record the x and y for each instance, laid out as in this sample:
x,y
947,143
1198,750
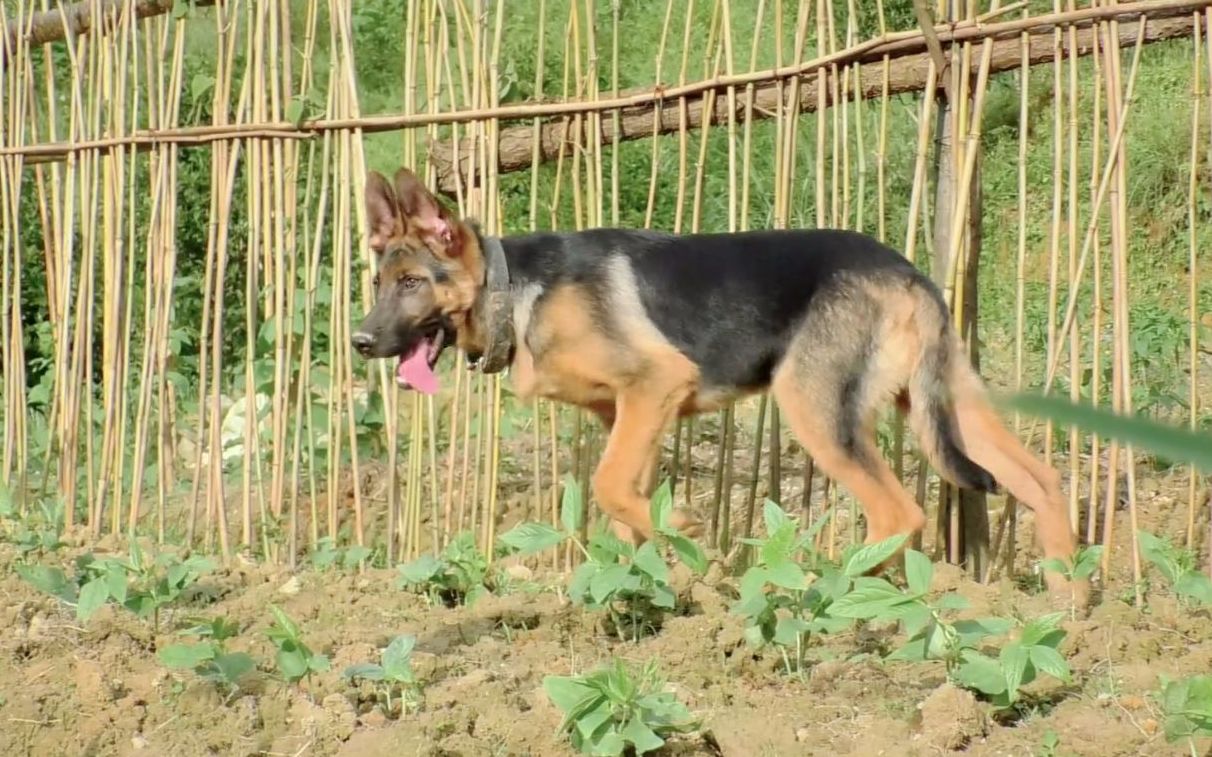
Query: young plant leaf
x,y
918,572
572,508
186,655
529,538
689,552
92,597
869,556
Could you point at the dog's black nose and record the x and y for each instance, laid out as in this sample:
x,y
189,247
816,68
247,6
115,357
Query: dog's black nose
x,y
363,341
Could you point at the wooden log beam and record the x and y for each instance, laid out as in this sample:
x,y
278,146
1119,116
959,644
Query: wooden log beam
x,y
907,72
51,26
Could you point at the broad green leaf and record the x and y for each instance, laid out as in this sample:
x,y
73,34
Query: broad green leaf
x,y
1048,660
1054,565
284,622
608,744
972,631
365,670
319,663
1014,659
529,538
92,597
568,694
775,516
787,630
661,506
356,554
115,582
650,561
185,655
689,552
1035,631
870,598
49,579
915,617
397,658
980,673
663,596
233,666
1088,561
572,507
779,545
1172,443
1195,585
421,570
578,585
914,650
641,736
869,556
918,571
291,662
606,581
786,574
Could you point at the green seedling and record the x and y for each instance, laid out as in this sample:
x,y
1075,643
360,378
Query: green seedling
x,y
34,534
294,659
392,675
1083,565
457,576
141,585
785,594
1177,565
932,635
327,554
1187,704
1018,663
631,584
530,538
209,657
607,711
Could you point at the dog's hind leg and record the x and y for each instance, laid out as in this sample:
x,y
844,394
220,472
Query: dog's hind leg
x,y
838,432
988,442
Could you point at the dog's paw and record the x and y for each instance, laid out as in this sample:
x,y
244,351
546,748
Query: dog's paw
x,y
1070,596
687,524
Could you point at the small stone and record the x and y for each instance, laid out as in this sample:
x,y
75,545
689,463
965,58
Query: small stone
x,y
802,734
1132,702
519,572
373,719
291,587
138,742
1149,725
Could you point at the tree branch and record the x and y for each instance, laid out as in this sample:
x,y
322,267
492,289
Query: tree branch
x,y
907,73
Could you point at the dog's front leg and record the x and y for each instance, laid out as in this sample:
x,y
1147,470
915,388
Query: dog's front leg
x,y
623,480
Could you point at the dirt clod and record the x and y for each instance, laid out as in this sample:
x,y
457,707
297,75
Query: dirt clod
x,y
952,718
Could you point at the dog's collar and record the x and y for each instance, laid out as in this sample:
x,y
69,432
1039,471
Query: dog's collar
x,y
496,320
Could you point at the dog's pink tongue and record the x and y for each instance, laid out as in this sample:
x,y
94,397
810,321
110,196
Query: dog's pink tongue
x,y
414,370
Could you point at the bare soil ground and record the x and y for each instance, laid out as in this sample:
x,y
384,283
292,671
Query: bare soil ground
x,y
100,690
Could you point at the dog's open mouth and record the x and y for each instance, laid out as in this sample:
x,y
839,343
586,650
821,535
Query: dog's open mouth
x,y
415,370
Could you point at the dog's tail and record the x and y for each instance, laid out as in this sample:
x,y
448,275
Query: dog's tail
x,y
941,374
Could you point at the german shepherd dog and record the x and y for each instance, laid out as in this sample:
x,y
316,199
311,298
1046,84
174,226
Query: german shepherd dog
x,y
641,327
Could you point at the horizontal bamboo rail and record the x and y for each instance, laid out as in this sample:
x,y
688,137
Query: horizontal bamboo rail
x,y
1164,19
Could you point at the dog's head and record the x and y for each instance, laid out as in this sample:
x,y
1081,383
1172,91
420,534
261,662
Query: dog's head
x,y
425,284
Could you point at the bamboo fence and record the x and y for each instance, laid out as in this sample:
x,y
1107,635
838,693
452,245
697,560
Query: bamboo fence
x,y
176,363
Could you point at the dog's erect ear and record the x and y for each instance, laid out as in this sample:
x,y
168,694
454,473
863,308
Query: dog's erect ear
x,y
383,219
424,214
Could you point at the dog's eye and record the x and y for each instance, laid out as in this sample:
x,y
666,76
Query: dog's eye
x,y
375,283
410,282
